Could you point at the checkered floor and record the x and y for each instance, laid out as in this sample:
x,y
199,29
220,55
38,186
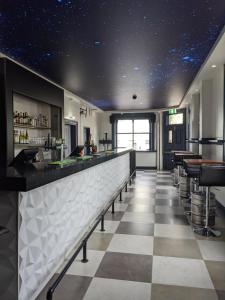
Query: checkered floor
x,y
148,251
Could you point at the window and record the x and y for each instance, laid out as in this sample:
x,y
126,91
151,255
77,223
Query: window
x,y
124,126
176,119
141,135
135,134
170,137
124,134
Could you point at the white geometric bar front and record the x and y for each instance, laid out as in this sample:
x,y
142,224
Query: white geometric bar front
x,y
52,218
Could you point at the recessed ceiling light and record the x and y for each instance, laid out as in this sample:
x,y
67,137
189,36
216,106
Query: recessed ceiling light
x,y
97,43
213,66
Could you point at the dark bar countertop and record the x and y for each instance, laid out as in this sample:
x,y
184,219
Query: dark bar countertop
x,y
28,177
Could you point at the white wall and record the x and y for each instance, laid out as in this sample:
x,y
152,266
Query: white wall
x,y
72,109
104,126
211,112
194,121
211,123
146,159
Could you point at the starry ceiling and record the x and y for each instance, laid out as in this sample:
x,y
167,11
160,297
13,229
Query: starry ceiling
x,y
105,51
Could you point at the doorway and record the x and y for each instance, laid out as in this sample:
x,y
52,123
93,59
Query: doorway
x,y
71,136
86,135
174,135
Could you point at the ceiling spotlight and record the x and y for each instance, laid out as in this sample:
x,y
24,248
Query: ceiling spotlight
x,y
134,97
97,43
213,66
136,68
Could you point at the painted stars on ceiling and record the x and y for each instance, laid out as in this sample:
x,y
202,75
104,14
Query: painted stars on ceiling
x,y
114,49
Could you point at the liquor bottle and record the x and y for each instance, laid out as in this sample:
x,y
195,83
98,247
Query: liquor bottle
x,y
23,137
26,138
39,120
21,118
17,137
42,121
14,118
17,117
14,135
25,118
20,138
46,121
30,120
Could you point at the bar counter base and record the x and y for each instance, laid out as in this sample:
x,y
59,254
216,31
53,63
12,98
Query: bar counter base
x,y
47,223
83,244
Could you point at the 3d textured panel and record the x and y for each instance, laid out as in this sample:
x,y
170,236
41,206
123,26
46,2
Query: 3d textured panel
x,y
8,246
53,217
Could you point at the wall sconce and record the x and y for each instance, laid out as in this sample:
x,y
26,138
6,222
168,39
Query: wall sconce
x,y
83,111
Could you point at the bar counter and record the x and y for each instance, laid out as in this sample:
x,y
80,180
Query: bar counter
x,y
46,210
26,178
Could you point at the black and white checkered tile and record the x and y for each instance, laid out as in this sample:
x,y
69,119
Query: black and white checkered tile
x,y
148,251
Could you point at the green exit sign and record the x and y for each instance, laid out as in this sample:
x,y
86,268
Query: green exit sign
x,y
172,111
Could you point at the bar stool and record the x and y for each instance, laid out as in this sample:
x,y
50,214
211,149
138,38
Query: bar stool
x,y
184,179
210,175
179,161
192,172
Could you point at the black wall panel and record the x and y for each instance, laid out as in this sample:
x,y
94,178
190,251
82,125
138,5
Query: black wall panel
x,y
14,78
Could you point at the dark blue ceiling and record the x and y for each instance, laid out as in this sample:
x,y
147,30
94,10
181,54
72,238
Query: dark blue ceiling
x,y
106,51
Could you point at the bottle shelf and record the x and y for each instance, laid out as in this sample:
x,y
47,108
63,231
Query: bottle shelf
x,y
31,127
29,145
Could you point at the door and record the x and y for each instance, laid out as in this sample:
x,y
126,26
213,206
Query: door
x,y
174,135
71,136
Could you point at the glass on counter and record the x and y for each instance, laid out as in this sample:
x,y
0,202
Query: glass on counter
x,y
22,137
38,141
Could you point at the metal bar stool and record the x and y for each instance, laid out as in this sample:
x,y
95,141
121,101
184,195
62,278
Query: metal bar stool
x,y
192,172
185,180
176,164
210,175
179,159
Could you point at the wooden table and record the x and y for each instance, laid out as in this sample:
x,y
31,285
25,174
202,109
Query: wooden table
x,y
203,161
193,166
180,157
181,151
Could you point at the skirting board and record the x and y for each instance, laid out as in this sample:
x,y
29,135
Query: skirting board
x,y
146,168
